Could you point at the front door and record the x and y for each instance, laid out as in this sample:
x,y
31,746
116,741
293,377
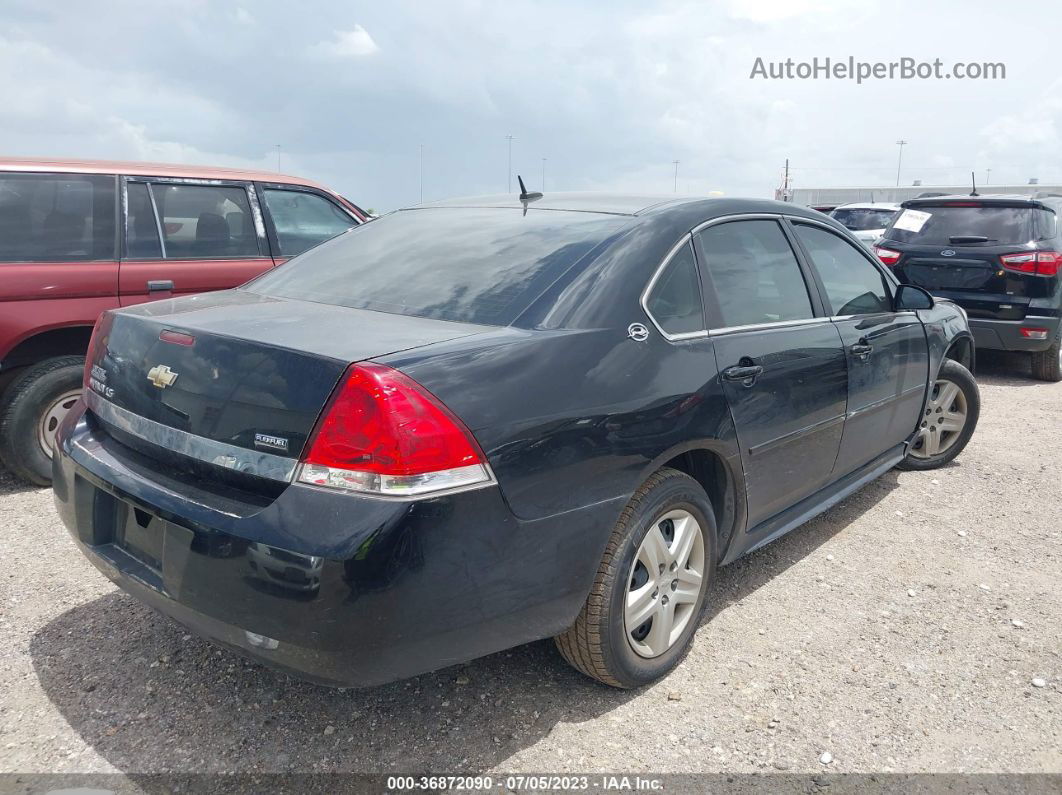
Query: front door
x,y
887,352
183,238
781,362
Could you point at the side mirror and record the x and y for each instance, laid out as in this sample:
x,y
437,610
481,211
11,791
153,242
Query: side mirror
x,y
909,298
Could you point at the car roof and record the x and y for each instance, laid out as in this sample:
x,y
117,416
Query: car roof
x,y
631,204
1001,199
869,206
133,168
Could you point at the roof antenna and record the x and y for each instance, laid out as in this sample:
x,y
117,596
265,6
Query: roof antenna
x,y
524,195
973,181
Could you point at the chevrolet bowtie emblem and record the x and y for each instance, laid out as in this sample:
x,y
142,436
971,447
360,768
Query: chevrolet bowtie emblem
x,y
161,376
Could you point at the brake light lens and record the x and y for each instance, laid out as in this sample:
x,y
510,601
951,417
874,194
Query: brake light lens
x,y
887,255
1036,263
384,434
90,352
1034,333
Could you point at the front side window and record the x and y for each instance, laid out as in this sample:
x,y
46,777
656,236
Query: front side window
x,y
303,220
56,217
853,285
675,300
755,273
205,221
141,229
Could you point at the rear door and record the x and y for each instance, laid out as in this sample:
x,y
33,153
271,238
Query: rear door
x,y
886,351
780,358
964,251
299,218
58,255
186,236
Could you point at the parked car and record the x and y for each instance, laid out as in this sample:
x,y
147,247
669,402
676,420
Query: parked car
x,y
78,238
476,424
866,220
998,257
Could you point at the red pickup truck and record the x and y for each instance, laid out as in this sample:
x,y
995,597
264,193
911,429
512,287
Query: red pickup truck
x,y
80,237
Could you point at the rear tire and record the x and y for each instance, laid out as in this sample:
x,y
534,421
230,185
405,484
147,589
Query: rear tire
x,y
601,644
1047,365
934,430
31,407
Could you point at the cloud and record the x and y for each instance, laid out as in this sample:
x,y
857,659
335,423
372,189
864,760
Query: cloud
x,y
353,43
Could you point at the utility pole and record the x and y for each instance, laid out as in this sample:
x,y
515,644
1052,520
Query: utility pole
x,y
785,182
509,176
278,157
676,175
988,175
422,173
901,143
543,175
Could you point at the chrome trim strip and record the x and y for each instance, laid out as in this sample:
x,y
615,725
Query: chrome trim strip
x,y
811,321
687,240
722,219
252,462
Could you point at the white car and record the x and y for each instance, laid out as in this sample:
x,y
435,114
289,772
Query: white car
x,y
866,220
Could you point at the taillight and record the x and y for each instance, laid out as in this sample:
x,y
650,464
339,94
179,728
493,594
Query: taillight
x,y
383,433
1036,263
887,255
1033,333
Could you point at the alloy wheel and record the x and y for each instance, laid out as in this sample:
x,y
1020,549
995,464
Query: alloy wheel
x,y
52,416
664,583
942,422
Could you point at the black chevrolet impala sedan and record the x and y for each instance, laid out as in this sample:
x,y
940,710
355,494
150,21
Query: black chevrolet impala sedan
x,y
471,425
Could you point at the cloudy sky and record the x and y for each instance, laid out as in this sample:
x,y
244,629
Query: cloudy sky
x,y
609,92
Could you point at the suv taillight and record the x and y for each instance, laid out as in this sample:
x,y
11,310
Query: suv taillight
x,y
1036,263
90,353
887,255
382,433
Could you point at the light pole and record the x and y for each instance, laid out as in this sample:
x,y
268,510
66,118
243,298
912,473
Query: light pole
x,y
543,175
676,175
901,143
509,174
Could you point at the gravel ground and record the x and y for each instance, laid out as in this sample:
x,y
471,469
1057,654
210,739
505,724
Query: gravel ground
x,y
914,627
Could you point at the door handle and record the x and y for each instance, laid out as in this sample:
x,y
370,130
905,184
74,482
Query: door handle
x,y
746,374
861,349
160,285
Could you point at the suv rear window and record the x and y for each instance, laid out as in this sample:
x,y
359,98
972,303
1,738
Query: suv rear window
x,y
1001,225
468,265
56,217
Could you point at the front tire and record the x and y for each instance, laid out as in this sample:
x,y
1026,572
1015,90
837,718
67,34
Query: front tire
x,y
649,593
948,420
1047,365
31,409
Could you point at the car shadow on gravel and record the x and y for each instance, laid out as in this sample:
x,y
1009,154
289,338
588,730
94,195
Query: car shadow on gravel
x,y
9,484
148,697
1000,368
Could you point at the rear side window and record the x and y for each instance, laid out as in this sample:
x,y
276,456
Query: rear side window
x,y
755,273
56,217
472,265
205,221
675,300
303,220
862,220
853,285
1048,225
965,225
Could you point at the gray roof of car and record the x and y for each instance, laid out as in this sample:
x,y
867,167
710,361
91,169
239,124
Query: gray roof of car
x,y
590,202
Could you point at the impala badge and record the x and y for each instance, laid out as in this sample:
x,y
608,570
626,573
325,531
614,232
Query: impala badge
x,y
161,376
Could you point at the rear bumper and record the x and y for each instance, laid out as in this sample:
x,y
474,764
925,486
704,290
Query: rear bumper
x,y
1005,335
335,588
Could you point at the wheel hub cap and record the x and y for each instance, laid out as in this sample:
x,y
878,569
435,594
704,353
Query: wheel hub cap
x,y
664,583
52,416
942,421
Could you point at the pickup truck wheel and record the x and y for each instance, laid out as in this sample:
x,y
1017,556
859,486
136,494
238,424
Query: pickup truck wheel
x,y
31,409
948,420
649,593
1047,365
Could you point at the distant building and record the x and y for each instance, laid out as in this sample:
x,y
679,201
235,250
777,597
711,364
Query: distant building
x,y
832,197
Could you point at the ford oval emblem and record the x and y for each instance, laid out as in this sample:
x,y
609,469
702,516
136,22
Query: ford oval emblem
x,y
947,253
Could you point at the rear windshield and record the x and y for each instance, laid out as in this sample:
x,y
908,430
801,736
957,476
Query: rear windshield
x,y
468,265
1000,225
862,220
